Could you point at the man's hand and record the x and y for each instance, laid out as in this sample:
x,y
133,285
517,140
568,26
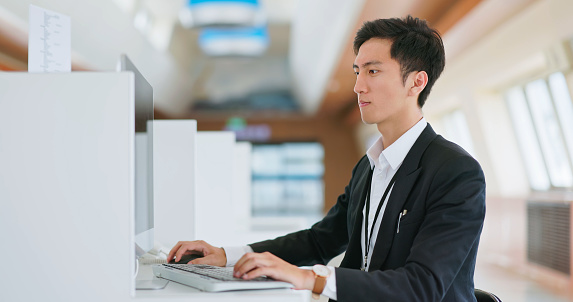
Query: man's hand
x,y
211,255
253,265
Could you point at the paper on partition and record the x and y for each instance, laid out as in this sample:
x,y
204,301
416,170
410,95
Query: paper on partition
x,y
49,41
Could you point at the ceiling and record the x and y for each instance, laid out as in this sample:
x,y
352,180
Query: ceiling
x,y
316,79
306,69
221,85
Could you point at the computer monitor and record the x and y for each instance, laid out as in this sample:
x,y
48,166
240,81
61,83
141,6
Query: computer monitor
x,y
143,146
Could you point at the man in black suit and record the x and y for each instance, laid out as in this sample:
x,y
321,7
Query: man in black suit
x,y
411,216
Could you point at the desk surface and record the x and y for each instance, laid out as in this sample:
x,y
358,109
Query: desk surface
x,y
175,291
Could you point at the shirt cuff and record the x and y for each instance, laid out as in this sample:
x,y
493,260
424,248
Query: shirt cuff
x,y
234,253
330,288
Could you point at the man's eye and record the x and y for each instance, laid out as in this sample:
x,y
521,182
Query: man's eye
x,y
356,72
373,71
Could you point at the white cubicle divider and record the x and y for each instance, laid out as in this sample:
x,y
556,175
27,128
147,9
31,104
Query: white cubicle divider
x,y
174,156
241,193
214,221
66,186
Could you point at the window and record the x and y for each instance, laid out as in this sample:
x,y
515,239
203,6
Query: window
x,y
527,139
541,113
564,107
288,179
456,128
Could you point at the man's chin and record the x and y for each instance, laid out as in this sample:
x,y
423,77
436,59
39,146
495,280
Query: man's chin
x,y
366,120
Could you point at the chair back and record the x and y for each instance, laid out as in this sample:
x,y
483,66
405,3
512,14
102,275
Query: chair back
x,y
483,296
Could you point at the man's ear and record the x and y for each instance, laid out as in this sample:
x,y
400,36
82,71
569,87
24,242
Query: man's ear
x,y
420,81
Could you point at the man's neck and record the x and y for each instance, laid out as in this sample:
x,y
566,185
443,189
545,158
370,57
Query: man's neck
x,y
393,130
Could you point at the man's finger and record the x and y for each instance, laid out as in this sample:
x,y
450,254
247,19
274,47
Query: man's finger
x,y
210,260
174,250
249,263
188,246
257,272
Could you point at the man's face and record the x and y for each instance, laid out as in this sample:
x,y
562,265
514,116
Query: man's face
x,y
381,92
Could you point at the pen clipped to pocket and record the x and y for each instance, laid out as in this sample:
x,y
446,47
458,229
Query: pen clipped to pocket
x,y
402,214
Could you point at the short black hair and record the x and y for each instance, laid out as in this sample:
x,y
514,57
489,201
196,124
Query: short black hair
x,y
415,46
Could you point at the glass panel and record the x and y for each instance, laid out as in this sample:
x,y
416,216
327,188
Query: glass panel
x,y
267,160
527,140
287,179
562,100
267,196
457,130
549,134
303,159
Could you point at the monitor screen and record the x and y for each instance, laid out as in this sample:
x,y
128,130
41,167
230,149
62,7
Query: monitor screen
x,y
143,148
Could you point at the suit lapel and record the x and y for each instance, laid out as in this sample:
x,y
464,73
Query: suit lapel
x,y
353,256
405,179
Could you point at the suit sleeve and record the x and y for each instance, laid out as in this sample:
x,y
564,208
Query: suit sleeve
x,y
445,243
325,240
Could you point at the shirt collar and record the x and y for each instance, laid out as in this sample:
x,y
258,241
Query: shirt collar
x,y
396,152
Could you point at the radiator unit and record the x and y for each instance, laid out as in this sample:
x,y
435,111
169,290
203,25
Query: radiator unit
x,y
549,235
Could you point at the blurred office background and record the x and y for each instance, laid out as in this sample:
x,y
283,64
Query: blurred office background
x,y
279,75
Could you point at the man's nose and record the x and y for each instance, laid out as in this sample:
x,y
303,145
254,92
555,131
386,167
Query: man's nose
x,y
359,86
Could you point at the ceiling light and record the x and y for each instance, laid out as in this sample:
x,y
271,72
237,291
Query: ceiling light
x,y
220,13
234,41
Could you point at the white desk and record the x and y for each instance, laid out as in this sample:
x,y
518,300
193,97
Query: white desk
x,y
175,291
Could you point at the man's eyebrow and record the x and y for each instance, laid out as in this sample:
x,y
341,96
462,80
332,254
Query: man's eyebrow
x,y
369,63
354,66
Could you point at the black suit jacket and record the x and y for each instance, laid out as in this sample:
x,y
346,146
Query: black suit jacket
x,y
431,258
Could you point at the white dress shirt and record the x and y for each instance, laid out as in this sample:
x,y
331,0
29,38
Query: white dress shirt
x,y
385,162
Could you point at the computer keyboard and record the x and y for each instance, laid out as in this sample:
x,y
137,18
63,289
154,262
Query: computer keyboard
x,y
212,278
219,273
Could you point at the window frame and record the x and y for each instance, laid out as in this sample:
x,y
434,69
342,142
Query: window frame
x,y
568,153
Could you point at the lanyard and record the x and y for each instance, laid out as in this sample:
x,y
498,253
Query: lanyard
x,y
368,239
